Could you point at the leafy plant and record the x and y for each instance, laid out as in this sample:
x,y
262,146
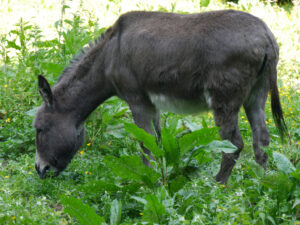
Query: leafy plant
x,y
84,213
172,155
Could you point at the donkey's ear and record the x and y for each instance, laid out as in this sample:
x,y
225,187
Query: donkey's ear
x,y
45,91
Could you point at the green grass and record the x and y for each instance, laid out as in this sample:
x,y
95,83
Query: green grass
x,y
45,43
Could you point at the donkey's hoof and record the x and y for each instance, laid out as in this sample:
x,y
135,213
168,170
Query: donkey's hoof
x,y
262,160
220,178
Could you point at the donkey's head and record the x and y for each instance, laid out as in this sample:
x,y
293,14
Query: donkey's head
x,y
58,137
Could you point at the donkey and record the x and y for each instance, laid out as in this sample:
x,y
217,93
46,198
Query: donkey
x,y
218,60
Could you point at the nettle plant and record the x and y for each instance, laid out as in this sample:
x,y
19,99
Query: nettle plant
x,y
177,154
173,155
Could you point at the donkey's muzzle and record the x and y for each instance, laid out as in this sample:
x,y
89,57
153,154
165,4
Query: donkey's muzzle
x,y
42,171
47,171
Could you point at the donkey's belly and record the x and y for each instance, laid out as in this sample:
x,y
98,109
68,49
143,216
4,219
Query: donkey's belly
x,y
181,105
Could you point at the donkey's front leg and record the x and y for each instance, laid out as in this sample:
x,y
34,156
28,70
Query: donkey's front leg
x,y
144,113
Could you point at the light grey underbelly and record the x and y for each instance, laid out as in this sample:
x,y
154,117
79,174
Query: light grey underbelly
x,y
180,105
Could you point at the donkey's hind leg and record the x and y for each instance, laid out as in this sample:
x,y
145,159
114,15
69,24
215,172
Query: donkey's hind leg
x,y
144,113
255,110
229,130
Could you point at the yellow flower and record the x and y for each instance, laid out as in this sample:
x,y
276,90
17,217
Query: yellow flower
x,y
89,144
141,213
90,173
6,177
298,142
81,152
243,117
13,218
86,172
7,120
223,186
6,86
30,172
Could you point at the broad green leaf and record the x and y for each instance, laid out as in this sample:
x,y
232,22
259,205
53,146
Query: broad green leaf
x,y
53,67
296,174
280,183
196,138
296,202
131,167
84,213
255,169
28,27
298,165
154,210
116,130
131,187
139,199
262,217
172,124
204,124
271,220
120,113
191,125
221,146
99,186
12,44
177,183
203,157
115,212
148,140
283,163
170,146
204,3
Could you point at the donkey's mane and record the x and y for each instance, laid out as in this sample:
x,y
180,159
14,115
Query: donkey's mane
x,y
88,50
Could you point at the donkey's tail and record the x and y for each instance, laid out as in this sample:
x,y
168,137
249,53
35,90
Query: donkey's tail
x,y
275,103
271,64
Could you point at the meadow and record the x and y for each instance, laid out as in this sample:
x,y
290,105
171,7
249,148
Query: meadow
x,y
106,182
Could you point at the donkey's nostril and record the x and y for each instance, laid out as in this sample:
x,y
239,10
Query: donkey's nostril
x,y
45,170
42,171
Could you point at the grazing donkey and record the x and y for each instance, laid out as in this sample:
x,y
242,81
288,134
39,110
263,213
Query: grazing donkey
x,y
219,60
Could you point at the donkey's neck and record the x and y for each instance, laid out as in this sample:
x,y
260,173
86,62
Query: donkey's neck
x,y
83,87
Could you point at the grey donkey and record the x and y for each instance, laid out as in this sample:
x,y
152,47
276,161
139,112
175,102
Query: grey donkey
x,y
218,61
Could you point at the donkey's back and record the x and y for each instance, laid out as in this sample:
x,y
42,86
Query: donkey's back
x,y
190,58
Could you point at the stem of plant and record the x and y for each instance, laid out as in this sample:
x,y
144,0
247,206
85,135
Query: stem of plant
x,y
163,172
